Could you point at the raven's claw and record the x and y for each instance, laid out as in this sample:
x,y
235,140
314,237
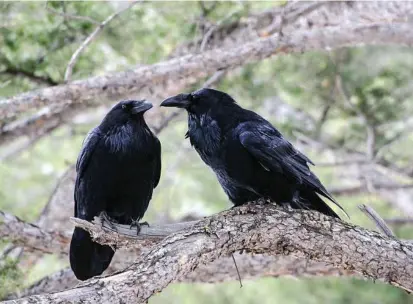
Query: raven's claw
x,y
104,217
135,223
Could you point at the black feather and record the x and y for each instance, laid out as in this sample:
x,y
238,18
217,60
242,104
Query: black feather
x,y
117,169
249,156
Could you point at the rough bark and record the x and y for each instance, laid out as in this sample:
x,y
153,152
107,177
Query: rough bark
x,y
31,236
222,270
300,15
139,81
255,228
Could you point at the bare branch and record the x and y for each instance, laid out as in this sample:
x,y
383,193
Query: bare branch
x,y
70,16
255,228
124,236
165,122
302,15
222,270
375,217
216,26
196,66
31,236
29,75
247,29
90,38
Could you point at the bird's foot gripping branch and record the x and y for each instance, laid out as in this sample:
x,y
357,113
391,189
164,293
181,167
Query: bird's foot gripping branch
x,y
256,228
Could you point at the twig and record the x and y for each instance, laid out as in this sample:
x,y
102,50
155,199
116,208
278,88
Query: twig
x,y
165,122
375,217
399,135
29,75
289,17
371,132
236,267
214,79
90,38
207,10
215,27
283,20
70,16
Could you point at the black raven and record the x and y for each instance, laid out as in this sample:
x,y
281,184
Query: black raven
x,y
250,157
117,169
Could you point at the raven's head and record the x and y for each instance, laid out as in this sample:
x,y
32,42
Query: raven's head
x,y
199,102
127,110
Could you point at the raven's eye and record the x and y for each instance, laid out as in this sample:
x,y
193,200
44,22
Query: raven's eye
x,y
124,107
193,98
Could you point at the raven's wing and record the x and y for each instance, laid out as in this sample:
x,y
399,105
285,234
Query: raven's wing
x,y
158,163
89,144
277,154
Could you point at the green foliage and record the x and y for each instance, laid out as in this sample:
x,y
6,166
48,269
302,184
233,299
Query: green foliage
x,y
376,82
11,277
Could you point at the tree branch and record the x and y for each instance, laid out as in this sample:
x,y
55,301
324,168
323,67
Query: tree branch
x,y
256,228
375,217
29,75
70,16
221,270
196,66
248,29
31,236
90,38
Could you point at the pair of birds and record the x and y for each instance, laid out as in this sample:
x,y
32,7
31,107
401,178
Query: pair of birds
x,y
120,165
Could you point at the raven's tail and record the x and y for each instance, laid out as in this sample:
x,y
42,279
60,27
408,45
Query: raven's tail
x,y
310,200
87,258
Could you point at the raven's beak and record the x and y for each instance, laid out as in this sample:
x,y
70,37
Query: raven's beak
x,y
141,107
178,101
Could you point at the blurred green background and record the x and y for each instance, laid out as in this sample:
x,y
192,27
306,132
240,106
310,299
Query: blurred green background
x,y
298,93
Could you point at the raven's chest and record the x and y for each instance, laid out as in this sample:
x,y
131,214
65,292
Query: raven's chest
x,y
206,137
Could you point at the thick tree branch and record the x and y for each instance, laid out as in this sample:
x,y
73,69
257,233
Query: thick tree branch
x,y
255,228
297,16
301,15
31,236
222,270
196,66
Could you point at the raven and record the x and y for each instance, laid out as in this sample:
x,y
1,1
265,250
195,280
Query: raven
x,y
118,167
250,157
